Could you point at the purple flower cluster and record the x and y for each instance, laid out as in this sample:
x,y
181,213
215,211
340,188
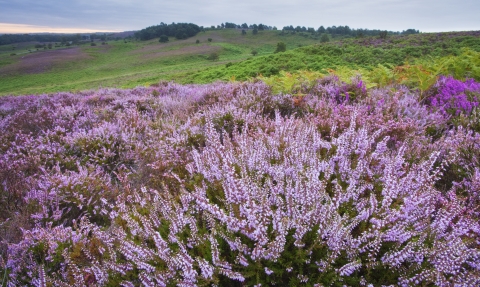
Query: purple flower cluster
x,y
454,97
217,184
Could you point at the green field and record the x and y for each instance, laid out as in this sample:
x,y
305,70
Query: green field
x,y
132,63
125,64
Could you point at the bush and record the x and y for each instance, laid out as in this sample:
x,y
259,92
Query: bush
x,y
324,38
209,39
213,56
281,47
93,44
254,52
198,41
163,39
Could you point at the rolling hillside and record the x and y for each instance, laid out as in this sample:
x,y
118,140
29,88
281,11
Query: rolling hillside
x,y
131,63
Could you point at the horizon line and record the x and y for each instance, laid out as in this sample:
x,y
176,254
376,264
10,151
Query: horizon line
x,y
9,28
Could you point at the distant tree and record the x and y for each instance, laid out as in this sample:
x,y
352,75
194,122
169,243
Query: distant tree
x,y
77,38
255,31
198,41
324,38
360,34
281,47
275,28
310,30
410,31
383,34
261,27
163,39
254,52
209,39
213,56
244,32
244,26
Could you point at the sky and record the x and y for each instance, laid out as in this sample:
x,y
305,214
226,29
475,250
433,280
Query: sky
x,y
86,16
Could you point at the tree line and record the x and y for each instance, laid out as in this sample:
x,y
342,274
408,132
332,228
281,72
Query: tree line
x,y
333,30
186,30
345,31
178,30
7,39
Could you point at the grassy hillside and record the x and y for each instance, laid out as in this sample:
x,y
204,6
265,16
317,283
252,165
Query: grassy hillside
x,y
121,64
366,53
141,63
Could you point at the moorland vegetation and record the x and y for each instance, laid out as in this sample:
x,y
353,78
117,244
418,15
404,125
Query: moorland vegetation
x,y
354,162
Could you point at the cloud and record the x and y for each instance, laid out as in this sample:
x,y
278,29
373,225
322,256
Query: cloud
x,y
427,15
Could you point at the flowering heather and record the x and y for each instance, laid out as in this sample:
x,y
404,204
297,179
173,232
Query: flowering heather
x,y
229,184
452,96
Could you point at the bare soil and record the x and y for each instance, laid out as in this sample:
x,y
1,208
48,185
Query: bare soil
x,y
42,61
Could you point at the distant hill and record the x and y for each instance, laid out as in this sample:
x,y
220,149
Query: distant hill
x,y
211,55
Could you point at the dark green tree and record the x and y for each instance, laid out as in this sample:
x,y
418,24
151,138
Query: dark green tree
x,y
281,47
383,35
324,38
163,39
213,56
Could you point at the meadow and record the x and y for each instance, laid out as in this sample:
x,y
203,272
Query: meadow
x,y
127,64
339,169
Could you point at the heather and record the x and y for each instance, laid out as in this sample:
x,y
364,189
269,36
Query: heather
x,y
310,180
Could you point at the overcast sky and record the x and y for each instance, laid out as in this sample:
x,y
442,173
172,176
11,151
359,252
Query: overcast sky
x,y
23,16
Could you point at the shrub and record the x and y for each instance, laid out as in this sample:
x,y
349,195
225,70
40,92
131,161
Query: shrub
x,y
213,56
324,38
163,39
281,47
239,184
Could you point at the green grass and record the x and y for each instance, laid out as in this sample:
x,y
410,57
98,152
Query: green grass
x,y
130,64
347,53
